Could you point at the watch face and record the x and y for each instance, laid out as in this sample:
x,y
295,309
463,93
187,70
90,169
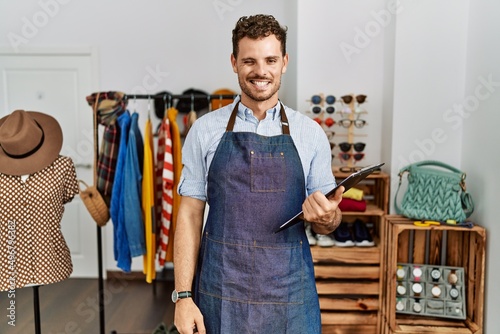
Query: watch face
x,y
417,307
454,293
400,306
175,296
401,290
436,291
417,272
452,278
417,288
400,273
435,273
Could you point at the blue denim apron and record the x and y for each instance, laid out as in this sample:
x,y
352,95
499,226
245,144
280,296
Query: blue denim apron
x,y
249,279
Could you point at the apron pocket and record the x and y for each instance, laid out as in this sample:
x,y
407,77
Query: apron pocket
x,y
253,272
267,172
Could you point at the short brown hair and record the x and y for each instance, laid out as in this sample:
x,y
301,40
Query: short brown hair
x,y
258,26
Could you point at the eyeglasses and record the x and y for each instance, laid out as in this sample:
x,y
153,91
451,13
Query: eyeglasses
x,y
344,156
330,134
346,147
345,122
360,98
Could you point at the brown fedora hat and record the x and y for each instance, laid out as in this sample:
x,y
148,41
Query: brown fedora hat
x,y
29,142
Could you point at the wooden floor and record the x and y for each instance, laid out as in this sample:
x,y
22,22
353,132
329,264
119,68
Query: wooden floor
x,y
71,306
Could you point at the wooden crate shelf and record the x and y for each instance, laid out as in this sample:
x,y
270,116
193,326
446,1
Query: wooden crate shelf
x,y
349,279
459,247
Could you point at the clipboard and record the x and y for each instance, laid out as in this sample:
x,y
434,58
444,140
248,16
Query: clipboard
x,y
348,183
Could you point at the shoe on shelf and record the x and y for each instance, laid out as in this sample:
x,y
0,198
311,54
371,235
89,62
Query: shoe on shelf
x,y
362,236
343,236
310,235
324,240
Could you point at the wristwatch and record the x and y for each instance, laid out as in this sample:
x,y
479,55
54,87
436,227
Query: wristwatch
x,y
417,308
417,273
454,293
400,273
436,291
180,295
401,290
417,289
435,274
453,277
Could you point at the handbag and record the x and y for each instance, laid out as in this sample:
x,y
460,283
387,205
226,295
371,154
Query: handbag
x,y
91,197
434,193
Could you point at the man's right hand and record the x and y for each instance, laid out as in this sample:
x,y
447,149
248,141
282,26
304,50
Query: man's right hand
x,y
188,318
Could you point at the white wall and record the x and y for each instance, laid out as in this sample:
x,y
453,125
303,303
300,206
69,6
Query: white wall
x,y
414,67
481,136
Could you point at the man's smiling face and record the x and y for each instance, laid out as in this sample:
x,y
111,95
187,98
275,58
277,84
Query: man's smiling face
x,y
259,65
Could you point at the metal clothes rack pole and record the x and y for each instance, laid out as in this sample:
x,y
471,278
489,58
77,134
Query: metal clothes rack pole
x,y
180,96
36,308
102,321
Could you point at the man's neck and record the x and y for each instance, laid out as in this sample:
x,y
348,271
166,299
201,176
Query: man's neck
x,y
259,108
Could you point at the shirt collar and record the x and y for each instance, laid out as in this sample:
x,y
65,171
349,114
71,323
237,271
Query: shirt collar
x,y
246,113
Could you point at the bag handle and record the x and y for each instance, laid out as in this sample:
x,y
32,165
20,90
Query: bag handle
x,y
96,137
432,163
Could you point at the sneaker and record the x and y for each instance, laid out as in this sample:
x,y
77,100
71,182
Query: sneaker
x,y
343,236
362,236
325,240
310,235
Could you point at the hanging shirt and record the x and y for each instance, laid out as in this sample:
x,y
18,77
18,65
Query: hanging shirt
x,y
120,241
167,196
177,158
30,229
148,204
132,190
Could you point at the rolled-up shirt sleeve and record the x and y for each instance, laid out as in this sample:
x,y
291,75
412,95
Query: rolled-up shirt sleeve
x,y
193,177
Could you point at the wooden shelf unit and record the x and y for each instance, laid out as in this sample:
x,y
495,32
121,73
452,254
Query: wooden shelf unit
x,y
350,279
459,247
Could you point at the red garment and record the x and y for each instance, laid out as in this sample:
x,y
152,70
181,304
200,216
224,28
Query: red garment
x,y
349,204
167,185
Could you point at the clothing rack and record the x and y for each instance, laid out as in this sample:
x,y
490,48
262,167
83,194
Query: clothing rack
x,y
180,96
167,97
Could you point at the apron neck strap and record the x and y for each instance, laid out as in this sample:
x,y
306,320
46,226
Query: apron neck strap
x,y
284,120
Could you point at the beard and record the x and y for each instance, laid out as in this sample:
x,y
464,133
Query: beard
x,y
257,95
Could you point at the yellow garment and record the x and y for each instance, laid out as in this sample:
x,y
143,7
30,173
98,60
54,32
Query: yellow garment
x,y
148,204
354,193
177,157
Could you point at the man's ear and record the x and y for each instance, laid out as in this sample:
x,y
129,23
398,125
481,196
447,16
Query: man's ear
x,y
285,63
233,63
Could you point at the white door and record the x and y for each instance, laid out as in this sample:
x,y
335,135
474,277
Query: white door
x,y
57,84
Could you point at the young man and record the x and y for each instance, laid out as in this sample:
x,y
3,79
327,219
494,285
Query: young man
x,y
256,163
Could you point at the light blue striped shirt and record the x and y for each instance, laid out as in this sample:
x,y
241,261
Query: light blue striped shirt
x,y
205,134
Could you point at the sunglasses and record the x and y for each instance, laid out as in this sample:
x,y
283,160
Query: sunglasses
x,y
346,147
345,122
316,109
329,122
348,98
344,156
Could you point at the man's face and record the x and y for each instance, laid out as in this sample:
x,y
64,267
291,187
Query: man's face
x,y
259,66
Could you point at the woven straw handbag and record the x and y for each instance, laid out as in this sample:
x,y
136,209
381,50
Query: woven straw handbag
x,y
90,195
